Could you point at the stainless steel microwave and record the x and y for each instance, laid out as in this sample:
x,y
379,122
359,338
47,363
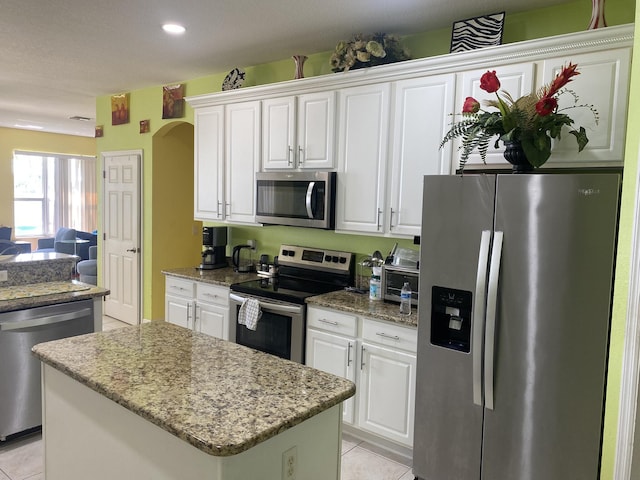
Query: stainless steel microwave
x,y
299,199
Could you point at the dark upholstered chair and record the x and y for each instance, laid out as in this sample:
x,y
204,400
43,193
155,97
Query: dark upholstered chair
x,y
88,269
7,247
5,233
57,243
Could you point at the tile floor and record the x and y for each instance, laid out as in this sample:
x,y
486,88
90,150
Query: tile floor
x,y
21,458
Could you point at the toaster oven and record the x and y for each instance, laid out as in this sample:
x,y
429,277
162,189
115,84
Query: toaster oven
x,y
393,278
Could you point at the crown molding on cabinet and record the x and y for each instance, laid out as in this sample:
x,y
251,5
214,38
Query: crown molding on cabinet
x,y
587,41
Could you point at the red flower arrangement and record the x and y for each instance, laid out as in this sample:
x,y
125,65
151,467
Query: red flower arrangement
x,y
533,120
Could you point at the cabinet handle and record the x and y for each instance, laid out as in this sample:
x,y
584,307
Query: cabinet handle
x,y
362,358
219,209
349,354
195,317
378,225
386,335
335,324
188,313
391,218
300,157
289,152
227,208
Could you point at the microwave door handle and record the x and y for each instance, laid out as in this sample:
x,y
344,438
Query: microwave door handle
x,y
309,200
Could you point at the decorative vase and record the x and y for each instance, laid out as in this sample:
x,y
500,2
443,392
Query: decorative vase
x,y
514,154
299,60
597,15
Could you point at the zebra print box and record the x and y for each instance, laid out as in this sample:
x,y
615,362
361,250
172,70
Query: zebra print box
x,y
477,32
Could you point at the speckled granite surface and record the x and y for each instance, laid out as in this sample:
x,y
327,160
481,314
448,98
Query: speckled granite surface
x,y
36,267
220,397
360,304
37,279
220,276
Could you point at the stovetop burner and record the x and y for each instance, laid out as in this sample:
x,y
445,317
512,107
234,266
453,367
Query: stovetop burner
x,y
304,272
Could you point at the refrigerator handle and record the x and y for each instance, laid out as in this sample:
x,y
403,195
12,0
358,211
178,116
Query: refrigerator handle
x,y
490,333
478,315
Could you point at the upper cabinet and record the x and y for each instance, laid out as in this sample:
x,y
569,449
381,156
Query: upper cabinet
x,y
209,163
603,83
518,79
298,131
421,118
380,128
363,130
242,160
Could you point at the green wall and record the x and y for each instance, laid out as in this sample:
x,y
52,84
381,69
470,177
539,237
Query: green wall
x,y
146,104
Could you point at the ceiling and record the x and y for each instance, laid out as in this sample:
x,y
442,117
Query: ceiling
x,y
58,56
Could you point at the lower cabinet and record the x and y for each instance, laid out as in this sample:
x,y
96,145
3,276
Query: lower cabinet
x,y
199,306
379,357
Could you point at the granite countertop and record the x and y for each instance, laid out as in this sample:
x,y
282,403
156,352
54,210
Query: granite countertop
x,y
220,276
360,304
20,297
220,397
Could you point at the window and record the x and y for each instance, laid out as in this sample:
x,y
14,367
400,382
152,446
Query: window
x,y
52,191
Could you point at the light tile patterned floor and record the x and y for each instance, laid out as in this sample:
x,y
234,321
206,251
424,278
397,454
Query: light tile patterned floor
x,y
21,459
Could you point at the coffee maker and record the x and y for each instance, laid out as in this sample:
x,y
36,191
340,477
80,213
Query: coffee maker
x,y
214,241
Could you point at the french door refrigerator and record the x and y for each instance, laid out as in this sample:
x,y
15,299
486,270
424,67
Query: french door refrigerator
x,y
514,303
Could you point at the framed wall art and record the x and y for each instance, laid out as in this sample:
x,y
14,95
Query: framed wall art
x,y
144,126
477,32
120,109
173,101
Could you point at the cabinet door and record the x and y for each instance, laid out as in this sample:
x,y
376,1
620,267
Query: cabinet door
x,y
316,125
242,128
517,79
278,133
422,116
209,163
336,355
363,130
212,320
179,311
386,392
604,83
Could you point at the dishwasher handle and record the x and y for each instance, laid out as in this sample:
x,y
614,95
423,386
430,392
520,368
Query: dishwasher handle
x,y
45,320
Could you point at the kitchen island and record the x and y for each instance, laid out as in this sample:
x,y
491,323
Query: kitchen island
x,y
163,402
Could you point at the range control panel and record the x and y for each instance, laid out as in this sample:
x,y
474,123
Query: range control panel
x,y
315,258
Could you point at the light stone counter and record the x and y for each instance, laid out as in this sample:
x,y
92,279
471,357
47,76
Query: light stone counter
x,y
219,276
220,397
360,304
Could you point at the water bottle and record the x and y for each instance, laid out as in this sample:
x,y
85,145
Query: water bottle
x,y
374,288
405,299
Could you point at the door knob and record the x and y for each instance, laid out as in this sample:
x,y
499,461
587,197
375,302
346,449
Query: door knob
x,y
133,250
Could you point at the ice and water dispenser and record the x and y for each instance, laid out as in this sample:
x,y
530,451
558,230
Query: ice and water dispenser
x,y
451,318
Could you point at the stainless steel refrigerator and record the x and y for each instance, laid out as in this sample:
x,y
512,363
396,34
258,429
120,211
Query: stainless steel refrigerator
x,y
514,304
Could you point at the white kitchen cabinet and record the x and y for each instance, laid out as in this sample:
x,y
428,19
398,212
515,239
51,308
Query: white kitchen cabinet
x,y
387,380
363,131
197,306
422,109
179,302
242,160
209,163
380,357
516,78
212,310
298,131
331,347
604,83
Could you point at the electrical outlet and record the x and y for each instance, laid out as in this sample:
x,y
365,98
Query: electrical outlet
x,y
4,276
290,464
252,244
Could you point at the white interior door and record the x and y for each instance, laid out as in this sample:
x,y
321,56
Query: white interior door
x,y
121,239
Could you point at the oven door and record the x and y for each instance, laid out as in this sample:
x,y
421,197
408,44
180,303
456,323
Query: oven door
x,y
280,330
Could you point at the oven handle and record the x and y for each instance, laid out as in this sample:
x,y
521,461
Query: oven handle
x,y
274,307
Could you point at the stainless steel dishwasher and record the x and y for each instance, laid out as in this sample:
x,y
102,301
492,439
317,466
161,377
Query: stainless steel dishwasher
x,y
20,390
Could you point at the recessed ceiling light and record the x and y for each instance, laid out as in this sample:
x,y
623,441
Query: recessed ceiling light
x,y
173,28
